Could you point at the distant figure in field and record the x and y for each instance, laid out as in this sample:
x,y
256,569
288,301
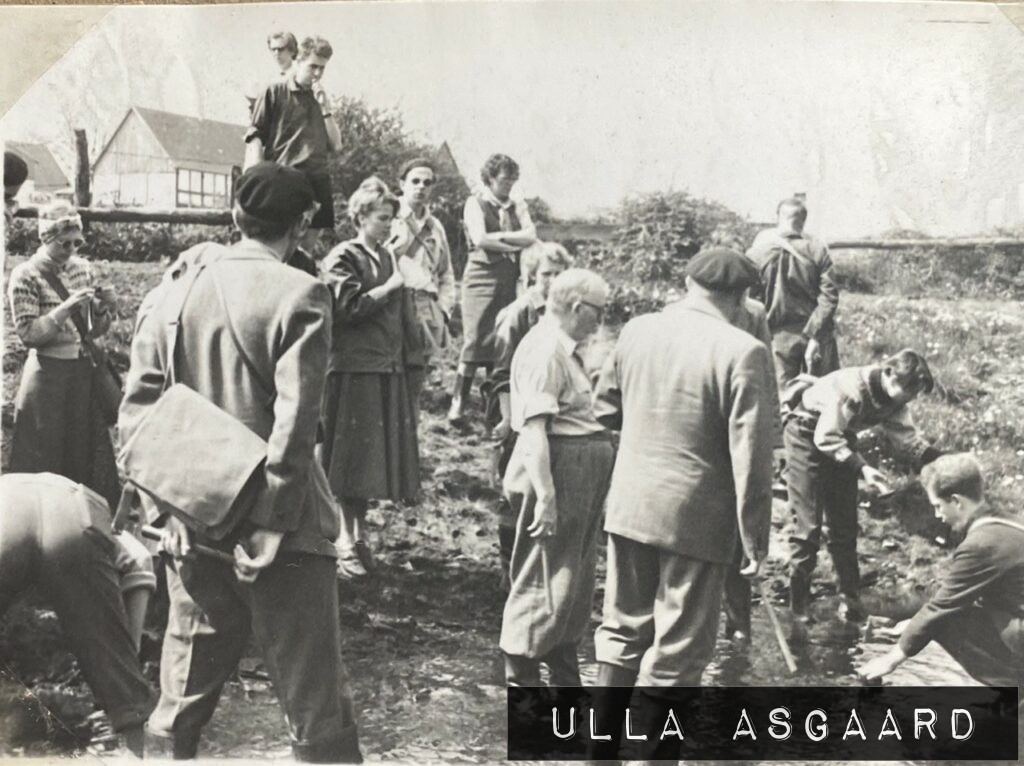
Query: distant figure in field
x,y
292,125
977,614
497,228
799,291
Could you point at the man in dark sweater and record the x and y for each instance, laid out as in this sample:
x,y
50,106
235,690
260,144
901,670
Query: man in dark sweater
x,y
977,614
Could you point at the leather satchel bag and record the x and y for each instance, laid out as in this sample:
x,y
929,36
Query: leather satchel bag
x,y
106,381
190,458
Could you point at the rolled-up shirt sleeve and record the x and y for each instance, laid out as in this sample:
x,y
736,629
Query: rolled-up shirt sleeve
x,y
262,112
538,380
473,220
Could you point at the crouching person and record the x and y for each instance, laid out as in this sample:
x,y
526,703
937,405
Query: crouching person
x,y
556,481
822,420
56,535
976,614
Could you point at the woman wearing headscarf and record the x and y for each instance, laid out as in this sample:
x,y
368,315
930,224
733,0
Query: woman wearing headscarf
x,y
56,310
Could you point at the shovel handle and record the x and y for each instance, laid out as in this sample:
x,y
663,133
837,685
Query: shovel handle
x,y
152,533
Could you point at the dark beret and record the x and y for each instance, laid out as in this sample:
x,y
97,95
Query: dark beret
x,y
274,193
722,269
15,173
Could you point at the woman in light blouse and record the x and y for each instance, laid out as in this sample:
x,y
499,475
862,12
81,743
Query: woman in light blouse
x,y
57,425
497,228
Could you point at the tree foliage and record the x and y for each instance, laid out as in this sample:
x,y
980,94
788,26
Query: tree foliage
x,y
540,210
375,142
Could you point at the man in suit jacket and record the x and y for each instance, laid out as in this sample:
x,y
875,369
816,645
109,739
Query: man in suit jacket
x,y
254,339
693,397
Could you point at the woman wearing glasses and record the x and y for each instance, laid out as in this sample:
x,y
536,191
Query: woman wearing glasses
x,y
57,425
424,258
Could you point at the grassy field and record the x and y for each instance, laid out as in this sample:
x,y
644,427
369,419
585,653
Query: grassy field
x,y
421,641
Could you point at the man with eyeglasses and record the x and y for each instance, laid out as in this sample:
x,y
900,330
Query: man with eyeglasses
x,y
283,49
292,125
420,245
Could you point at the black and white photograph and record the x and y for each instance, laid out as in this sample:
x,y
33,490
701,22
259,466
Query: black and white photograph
x,y
462,381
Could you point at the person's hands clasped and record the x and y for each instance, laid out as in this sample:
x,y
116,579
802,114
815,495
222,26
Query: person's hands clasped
x,y
545,514
256,553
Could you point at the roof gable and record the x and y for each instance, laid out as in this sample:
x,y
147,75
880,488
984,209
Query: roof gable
x,y
43,169
192,139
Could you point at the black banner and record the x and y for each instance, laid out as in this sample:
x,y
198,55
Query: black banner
x,y
764,723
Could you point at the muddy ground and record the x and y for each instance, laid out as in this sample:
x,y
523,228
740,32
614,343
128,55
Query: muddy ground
x,y
421,640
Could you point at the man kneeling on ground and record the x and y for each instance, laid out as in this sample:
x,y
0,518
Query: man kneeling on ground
x,y
977,614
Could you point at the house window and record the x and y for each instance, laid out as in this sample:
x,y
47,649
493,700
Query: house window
x,y
199,188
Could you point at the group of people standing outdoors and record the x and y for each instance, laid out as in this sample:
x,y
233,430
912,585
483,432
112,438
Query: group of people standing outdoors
x,y
326,363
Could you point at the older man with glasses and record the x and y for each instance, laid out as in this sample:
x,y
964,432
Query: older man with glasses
x,y
556,481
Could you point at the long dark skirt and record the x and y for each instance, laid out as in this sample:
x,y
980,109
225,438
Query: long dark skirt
x,y
486,289
58,429
550,602
370,447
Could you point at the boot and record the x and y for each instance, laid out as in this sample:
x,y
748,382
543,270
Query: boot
x,y
460,399
799,595
341,749
609,700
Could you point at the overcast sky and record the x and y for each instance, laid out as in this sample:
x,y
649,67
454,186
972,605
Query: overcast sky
x,y
744,102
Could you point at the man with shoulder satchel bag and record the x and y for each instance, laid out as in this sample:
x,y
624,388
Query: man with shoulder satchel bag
x,y
250,336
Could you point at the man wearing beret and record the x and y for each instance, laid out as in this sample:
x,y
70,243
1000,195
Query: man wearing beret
x,y
693,397
799,291
254,339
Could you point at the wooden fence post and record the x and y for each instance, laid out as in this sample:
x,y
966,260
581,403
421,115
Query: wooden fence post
x,y
83,195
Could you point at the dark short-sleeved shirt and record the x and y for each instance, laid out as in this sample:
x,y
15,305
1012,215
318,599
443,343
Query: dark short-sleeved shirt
x,y
291,125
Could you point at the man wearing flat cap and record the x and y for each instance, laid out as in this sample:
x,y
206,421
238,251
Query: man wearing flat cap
x,y
254,339
693,398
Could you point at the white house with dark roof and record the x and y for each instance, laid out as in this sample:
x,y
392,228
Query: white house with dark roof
x,y
163,160
45,178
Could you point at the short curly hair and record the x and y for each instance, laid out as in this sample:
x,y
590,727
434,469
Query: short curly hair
x,y
315,46
371,193
497,163
956,474
544,251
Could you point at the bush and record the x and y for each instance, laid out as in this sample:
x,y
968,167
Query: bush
x,y
132,242
656,235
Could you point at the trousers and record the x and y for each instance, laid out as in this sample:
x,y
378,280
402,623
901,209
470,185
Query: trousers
x,y
820,490
292,610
